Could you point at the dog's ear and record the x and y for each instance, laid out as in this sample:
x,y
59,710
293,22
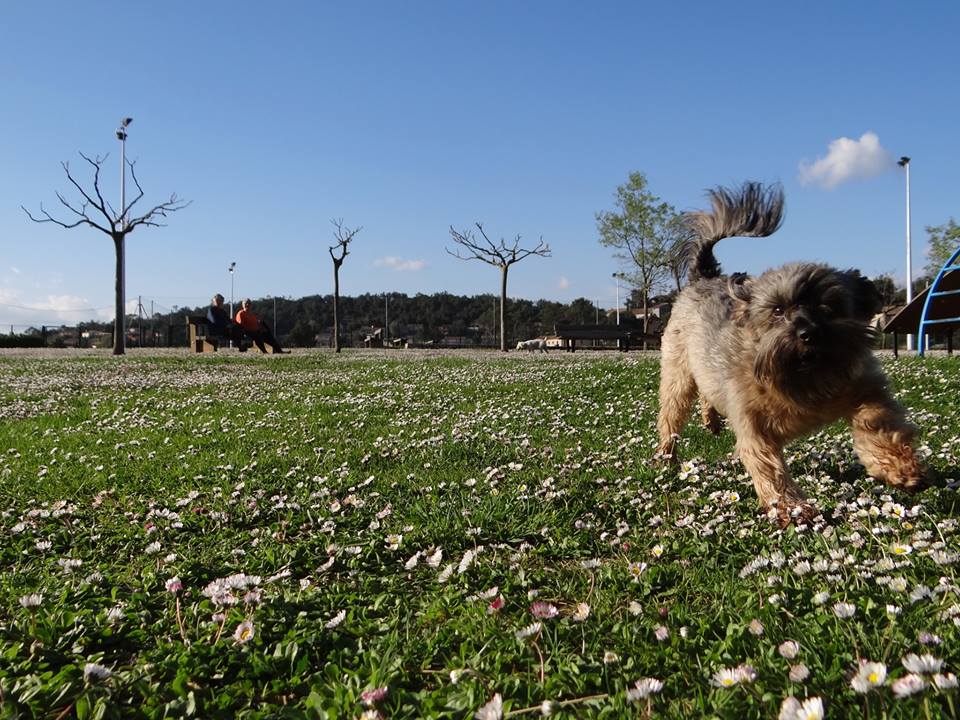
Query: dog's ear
x,y
867,300
739,286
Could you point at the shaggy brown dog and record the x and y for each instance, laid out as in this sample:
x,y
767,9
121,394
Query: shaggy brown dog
x,y
779,355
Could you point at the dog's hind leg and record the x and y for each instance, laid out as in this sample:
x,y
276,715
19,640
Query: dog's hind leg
x,y
677,392
710,416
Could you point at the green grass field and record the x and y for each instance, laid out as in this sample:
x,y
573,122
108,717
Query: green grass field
x,y
419,535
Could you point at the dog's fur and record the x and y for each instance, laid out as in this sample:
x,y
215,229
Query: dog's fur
x,y
779,355
532,345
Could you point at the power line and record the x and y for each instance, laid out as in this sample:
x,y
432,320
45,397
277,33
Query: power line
x,y
50,309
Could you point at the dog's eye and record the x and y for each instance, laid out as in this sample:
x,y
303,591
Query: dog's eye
x,y
778,311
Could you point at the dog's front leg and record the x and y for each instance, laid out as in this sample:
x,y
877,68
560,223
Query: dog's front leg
x,y
883,440
763,458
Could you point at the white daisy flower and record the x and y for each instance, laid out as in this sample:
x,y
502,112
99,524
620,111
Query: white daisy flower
x,y
493,710
581,613
336,620
945,682
531,629
922,664
789,649
244,632
908,685
844,610
644,688
96,671
869,675
726,677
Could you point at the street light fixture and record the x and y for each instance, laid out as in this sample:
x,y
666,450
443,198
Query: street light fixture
x,y
122,137
904,162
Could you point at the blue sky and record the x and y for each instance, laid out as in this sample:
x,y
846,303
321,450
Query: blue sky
x,y
407,118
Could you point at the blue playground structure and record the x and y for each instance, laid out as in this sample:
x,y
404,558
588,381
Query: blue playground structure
x,y
934,311
941,289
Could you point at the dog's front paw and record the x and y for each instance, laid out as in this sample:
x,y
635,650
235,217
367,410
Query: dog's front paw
x,y
797,512
913,484
711,421
909,475
666,453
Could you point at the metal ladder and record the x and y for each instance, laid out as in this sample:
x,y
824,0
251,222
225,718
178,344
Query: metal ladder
x,y
925,323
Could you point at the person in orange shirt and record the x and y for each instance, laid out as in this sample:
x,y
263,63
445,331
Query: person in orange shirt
x,y
256,329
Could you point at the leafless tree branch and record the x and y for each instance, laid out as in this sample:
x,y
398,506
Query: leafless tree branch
x,y
499,254
115,221
343,235
136,182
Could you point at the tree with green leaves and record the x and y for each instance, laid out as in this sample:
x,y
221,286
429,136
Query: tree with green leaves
x,y
643,231
943,242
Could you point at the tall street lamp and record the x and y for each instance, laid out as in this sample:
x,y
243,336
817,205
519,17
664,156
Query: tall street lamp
x,y
122,137
618,277
230,269
904,162
386,318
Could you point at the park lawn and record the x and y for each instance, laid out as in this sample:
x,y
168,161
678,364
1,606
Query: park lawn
x,y
245,536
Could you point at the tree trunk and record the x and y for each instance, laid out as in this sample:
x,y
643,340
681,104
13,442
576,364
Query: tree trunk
x,y
119,336
503,306
336,306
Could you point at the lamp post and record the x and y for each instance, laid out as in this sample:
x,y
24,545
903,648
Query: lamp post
x,y
122,137
904,162
386,319
230,269
618,277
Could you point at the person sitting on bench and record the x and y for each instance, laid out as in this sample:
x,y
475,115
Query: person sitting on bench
x,y
219,323
256,329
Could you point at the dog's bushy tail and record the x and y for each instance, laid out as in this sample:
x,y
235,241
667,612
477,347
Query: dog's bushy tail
x,y
751,210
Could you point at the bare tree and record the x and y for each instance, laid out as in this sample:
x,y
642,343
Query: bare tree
x,y
344,236
97,213
499,254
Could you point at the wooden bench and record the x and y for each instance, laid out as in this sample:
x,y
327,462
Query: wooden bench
x,y
623,334
197,337
201,342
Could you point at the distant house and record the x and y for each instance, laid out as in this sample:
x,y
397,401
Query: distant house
x,y
657,315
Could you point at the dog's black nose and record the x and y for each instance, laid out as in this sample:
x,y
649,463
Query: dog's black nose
x,y
807,334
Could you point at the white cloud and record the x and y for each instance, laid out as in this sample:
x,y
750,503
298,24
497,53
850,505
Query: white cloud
x,y
563,283
399,264
14,269
52,309
846,160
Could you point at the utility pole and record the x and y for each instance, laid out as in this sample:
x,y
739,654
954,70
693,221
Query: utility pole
x,y
121,252
904,162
